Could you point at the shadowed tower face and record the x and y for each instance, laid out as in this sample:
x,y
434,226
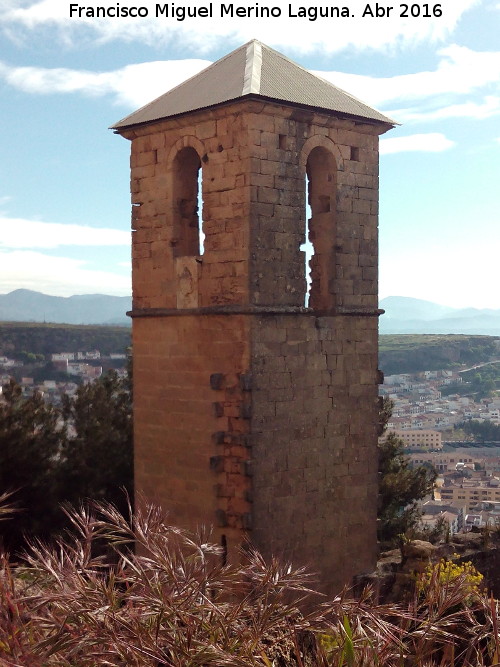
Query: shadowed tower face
x,y
254,414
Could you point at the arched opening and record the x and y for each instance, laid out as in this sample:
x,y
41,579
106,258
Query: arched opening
x,y
188,204
321,184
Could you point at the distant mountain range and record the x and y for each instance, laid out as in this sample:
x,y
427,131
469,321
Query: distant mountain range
x,y
402,314
23,305
405,315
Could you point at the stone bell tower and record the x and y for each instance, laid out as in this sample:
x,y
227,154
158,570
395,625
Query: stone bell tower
x,y
254,412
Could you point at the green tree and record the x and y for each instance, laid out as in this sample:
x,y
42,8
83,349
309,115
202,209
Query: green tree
x,y
401,486
31,442
51,456
97,461
481,431
30,357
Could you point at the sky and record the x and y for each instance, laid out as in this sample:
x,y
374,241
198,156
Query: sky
x,y
64,176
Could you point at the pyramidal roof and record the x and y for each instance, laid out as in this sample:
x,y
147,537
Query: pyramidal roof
x,y
253,70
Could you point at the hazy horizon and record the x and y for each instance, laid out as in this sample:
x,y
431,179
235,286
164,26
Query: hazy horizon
x,y
390,296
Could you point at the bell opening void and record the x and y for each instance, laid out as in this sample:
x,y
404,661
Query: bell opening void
x,y
307,248
188,204
201,234
321,197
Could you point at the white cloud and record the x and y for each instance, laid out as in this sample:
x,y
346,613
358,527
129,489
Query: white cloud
x,y
459,71
477,110
22,233
432,142
60,276
202,34
132,86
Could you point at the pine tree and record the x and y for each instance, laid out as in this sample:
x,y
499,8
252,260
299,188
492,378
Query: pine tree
x,y
98,455
401,486
31,441
51,457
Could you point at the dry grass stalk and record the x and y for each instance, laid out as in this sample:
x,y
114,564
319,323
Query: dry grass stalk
x,y
164,599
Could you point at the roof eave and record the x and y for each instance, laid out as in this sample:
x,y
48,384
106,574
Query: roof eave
x,y
389,123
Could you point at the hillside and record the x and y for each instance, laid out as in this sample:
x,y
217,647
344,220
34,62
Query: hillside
x,y
405,353
16,337
412,353
24,305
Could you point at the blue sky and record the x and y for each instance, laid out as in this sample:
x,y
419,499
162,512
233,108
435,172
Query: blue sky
x,y
64,177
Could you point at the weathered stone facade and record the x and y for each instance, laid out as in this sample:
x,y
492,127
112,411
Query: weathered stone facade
x,y
253,413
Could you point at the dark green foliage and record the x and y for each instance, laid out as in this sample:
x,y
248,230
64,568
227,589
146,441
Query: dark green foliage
x,y
386,407
412,353
481,431
439,532
18,339
29,357
98,460
50,456
400,487
400,484
48,372
30,448
484,380
476,383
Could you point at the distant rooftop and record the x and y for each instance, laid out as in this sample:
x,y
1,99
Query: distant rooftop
x,y
253,70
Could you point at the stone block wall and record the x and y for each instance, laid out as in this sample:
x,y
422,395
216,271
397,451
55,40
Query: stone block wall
x,y
280,141
315,407
191,420
156,185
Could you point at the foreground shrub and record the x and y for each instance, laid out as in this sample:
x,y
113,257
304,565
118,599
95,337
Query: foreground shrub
x,y
163,598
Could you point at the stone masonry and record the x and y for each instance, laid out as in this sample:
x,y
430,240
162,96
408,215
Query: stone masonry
x,y
254,414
